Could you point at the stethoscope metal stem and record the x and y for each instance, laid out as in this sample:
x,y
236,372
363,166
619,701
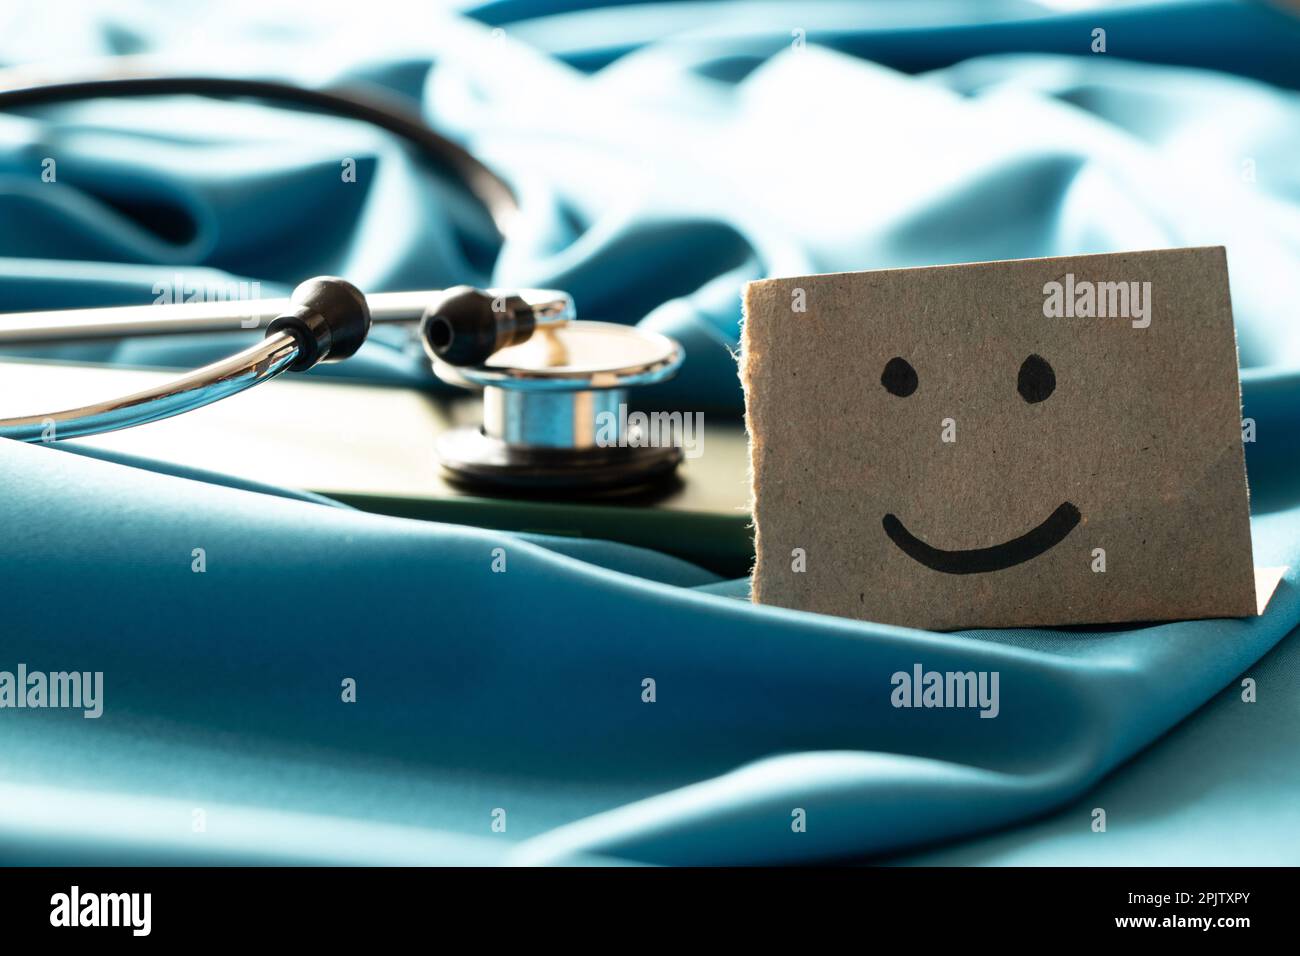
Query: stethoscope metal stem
x,y
206,385
188,318
554,419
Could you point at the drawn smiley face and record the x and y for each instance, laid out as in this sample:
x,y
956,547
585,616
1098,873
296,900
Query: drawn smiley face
x,y
1035,383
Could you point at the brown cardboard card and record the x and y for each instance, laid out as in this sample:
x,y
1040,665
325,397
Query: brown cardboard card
x,y
1034,442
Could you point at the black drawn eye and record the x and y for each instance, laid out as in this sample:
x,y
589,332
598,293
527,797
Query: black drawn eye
x,y
1036,380
899,378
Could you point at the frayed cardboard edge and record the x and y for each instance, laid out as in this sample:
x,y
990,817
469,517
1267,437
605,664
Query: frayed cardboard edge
x,y
742,355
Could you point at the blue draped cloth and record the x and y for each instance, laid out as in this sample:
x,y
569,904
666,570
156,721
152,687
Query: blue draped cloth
x,y
664,155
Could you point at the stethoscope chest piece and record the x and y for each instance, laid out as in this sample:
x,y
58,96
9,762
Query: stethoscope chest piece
x,y
555,411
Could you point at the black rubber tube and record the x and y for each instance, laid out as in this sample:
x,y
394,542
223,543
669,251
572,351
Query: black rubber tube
x,y
367,107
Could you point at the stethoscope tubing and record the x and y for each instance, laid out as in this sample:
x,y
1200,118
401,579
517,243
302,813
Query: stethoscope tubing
x,y
119,77
192,318
259,363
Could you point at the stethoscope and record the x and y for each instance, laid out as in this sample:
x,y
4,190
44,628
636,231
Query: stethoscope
x,y
554,388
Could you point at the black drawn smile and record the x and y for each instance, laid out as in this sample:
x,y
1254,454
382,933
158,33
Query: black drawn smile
x,y
978,560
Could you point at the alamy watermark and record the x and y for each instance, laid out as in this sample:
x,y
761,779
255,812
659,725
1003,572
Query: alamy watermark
x,y
76,908
74,690
1085,299
178,290
651,430
922,688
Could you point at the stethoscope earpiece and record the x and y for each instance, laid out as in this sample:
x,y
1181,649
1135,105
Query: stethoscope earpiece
x,y
468,325
330,321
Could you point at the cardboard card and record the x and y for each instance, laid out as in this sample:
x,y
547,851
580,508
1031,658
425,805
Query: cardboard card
x,y
1035,442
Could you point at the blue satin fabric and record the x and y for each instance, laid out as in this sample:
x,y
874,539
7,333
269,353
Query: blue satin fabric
x,y
657,175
